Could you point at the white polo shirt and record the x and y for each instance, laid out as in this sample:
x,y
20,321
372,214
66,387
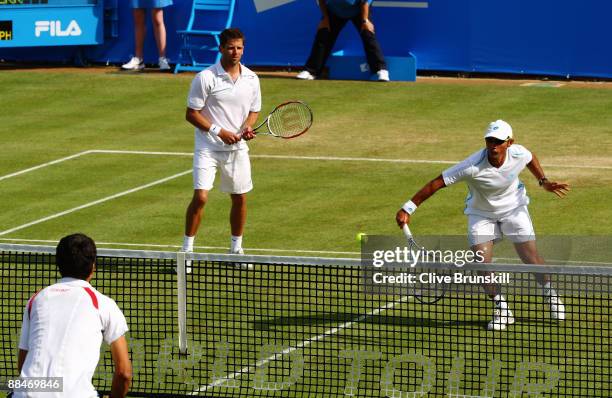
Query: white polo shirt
x,y
224,102
493,192
63,327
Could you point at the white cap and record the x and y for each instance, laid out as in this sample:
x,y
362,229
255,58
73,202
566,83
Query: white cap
x,y
499,129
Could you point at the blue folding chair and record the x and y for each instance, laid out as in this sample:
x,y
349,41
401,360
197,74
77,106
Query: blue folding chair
x,y
200,40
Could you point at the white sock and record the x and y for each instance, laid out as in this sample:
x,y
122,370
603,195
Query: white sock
x,y
236,243
500,302
188,243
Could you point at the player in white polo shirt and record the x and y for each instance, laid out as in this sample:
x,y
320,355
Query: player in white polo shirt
x,y
496,206
224,103
64,325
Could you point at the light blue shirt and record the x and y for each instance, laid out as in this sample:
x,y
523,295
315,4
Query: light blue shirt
x,y
345,8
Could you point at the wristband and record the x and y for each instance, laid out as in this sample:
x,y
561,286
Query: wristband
x,y
542,181
214,129
409,207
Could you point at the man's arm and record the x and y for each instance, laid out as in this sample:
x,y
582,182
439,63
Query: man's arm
x,y
194,117
21,357
559,189
365,17
402,217
122,378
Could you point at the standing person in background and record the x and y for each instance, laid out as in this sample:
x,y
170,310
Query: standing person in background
x,y
159,29
64,325
223,104
335,14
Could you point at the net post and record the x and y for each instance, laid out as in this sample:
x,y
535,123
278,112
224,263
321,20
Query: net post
x,y
182,301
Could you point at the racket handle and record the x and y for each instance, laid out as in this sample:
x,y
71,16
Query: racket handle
x,y
407,232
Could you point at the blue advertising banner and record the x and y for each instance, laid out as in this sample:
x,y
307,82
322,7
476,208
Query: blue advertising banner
x,y
551,37
56,26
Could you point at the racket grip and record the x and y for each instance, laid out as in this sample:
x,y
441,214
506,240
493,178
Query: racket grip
x,y
407,232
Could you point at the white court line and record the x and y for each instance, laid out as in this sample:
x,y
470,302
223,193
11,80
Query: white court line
x,y
504,260
328,158
96,202
305,343
288,157
40,166
340,159
248,249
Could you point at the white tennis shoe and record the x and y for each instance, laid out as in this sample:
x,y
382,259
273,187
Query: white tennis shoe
x,y
501,318
557,309
305,75
382,75
134,64
164,64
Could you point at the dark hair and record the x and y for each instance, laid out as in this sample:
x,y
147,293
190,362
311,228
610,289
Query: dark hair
x,y
75,256
230,34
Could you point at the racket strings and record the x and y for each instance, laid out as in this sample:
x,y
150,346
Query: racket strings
x,y
290,119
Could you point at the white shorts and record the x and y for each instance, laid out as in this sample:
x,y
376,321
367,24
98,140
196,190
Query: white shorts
x,y
516,226
235,168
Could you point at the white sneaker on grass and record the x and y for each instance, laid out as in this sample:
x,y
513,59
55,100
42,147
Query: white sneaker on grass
x,y
305,75
501,318
557,309
382,75
241,265
164,64
134,64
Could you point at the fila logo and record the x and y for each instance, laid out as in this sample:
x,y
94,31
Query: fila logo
x,y
55,28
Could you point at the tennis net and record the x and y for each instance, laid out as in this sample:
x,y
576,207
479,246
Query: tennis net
x,y
296,327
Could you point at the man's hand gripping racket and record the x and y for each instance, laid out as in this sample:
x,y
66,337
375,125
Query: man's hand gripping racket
x,y
288,120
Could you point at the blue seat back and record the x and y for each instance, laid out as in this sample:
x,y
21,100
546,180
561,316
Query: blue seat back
x,y
211,14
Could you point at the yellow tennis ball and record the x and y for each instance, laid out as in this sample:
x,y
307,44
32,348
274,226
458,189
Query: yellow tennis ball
x,y
361,236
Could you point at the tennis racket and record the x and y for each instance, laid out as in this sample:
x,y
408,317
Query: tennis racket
x,y
288,120
430,291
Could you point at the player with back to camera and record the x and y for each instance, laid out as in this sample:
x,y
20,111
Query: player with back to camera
x,y
496,206
64,325
223,104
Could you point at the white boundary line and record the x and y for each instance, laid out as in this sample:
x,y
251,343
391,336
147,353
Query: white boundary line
x,y
305,343
225,248
95,202
338,159
40,166
504,260
263,156
287,157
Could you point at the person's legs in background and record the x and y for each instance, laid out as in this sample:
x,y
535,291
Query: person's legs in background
x,y
137,61
159,29
373,52
321,48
